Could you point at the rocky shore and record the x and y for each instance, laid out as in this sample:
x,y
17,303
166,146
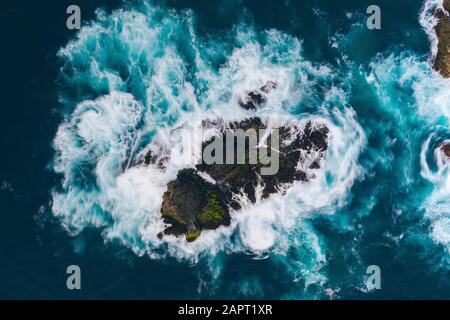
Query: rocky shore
x,y
442,62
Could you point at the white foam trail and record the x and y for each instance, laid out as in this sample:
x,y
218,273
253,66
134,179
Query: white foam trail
x,y
436,206
442,162
428,21
431,91
430,98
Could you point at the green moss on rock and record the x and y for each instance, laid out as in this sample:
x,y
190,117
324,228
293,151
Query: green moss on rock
x,y
212,216
171,214
191,236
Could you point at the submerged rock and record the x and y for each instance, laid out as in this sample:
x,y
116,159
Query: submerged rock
x,y
442,62
201,198
255,98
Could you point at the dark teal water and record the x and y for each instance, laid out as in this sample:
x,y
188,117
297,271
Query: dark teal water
x,y
74,106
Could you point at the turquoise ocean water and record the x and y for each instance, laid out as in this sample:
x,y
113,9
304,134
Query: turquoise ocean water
x,y
98,98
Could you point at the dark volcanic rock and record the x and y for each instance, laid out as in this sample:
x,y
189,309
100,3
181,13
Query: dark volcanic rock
x,y
192,203
442,62
256,98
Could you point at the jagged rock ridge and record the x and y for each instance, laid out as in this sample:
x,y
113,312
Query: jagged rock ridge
x,y
201,198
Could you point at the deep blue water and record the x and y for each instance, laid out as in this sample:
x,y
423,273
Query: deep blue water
x,y
72,104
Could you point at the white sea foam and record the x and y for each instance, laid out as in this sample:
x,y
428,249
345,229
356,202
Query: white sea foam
x,y
428,21
438,202
424,97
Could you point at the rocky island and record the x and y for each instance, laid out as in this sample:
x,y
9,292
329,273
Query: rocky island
x,y
202,197
442,62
